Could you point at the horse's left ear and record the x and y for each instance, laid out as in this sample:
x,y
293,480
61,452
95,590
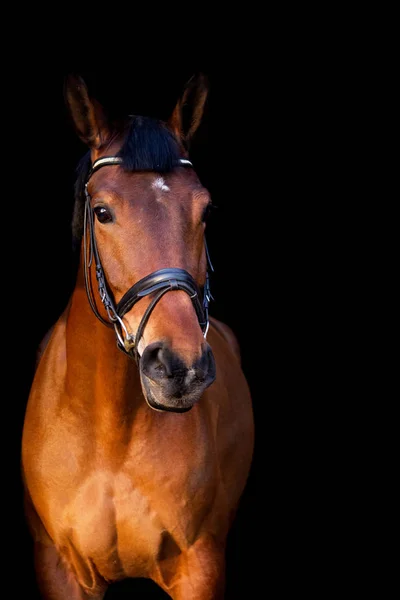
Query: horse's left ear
x,y
188,112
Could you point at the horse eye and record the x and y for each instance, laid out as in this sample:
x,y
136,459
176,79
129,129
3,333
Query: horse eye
x,y
207,212
103,215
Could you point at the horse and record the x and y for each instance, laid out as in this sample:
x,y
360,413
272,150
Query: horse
x,y
138,434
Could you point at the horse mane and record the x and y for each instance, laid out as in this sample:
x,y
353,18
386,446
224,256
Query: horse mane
x,y
149,146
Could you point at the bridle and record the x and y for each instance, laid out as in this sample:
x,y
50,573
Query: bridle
x,y
158,283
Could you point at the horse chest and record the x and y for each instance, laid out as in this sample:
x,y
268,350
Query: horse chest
x,y
124,527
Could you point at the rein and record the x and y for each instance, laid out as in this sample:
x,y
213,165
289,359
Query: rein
x,y
158,283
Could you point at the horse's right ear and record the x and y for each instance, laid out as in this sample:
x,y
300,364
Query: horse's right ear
x,y
87,115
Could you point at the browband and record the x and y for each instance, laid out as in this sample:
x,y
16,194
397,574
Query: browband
x,y
118,160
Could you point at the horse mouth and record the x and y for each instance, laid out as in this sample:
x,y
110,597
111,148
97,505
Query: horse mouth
x,y
158,401
162,407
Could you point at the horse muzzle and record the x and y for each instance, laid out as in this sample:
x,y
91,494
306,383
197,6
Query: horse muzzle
x,y
168,383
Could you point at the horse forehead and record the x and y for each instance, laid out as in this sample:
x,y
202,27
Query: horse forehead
x,y
147,184
174,183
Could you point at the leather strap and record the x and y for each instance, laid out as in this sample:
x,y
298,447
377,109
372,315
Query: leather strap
x,y
169,279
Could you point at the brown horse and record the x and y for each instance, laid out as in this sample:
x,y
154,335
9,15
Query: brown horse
x,y
138,435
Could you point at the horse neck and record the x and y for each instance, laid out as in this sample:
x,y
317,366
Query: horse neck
x,y
98,369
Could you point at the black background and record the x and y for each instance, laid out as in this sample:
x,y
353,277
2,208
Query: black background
x,y
258,153
232,160
279,140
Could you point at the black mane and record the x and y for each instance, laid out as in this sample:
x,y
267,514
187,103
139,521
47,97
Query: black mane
x,y
149,146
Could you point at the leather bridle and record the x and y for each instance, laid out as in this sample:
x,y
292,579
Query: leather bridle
x,y
158,283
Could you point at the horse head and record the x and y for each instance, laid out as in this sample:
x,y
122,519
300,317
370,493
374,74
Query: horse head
x,y
145,216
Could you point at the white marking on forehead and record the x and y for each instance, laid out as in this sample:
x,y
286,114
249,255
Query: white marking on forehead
x,y
159,184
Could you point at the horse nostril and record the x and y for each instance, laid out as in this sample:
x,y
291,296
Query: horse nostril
x,y
156,361
160,364
208,366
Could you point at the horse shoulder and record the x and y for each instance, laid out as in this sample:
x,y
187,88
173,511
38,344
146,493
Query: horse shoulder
x,y
49,377
43,345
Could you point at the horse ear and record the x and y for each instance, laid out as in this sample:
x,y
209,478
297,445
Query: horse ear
x,y
188,112
87,115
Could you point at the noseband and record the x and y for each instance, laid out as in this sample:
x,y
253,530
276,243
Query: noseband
x,y
158,283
